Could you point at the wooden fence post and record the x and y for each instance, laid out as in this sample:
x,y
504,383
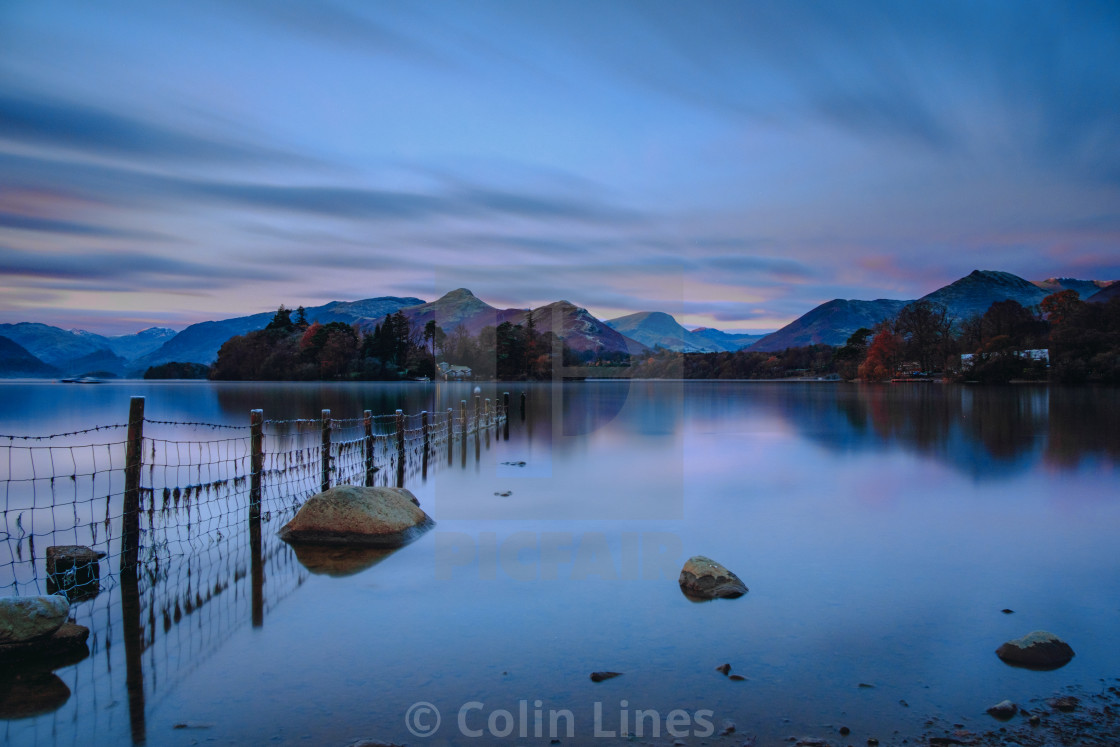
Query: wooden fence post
x,y
427,443
256,561
256,462
477,409
450,435
130,521
367,446
325,449
486,414
400,448
505,415
523,405
463,419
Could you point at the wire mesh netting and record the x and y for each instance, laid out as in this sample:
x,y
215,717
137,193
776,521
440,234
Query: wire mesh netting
x,y
208,562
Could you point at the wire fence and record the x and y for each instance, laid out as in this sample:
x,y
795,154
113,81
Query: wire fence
x,y
195,485
149,525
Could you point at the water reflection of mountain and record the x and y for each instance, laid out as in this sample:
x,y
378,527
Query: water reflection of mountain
x,y
987,433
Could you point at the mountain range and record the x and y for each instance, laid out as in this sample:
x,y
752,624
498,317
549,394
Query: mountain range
x,y
17,362
833,322
578,328
199,343
656,329
29,349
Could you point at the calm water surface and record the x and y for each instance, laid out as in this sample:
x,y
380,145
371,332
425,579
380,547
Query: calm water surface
x,y
881,531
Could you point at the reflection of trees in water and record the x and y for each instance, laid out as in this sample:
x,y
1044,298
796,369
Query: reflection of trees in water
x,y
1008,421
586,409
986,432
1083,425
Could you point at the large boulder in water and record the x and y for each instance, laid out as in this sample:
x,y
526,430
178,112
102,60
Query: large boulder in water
x,y
29,618
349,515
703,578
64,647
1037,650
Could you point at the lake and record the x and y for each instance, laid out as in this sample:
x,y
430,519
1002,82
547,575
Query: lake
x,y
881,531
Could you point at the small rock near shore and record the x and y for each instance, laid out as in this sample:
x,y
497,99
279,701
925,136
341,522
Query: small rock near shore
x,y
704,578
1065,703
29,618
1038,650
1003,710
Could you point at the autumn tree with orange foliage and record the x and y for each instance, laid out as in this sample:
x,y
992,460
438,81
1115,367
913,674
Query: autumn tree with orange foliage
x,y
883,355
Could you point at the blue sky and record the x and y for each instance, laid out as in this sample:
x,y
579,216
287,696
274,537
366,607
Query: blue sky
x,y
732,163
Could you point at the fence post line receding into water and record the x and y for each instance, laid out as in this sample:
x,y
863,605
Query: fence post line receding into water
x,y
325,482
130,519
367,446
202,475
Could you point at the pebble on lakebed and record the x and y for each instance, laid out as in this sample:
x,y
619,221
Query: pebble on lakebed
x,y
1003,710
600,676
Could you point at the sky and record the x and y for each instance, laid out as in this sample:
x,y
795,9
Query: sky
x,y
732,162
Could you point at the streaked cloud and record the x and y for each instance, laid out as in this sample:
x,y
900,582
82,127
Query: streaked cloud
x,y
734,162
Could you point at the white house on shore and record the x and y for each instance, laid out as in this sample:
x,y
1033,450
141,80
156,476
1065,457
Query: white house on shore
x,y
454,373
1038,354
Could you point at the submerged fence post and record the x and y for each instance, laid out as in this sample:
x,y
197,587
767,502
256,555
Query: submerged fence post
x,y
463,419
325,448
450,435
486,421
427,443
130,521
505,415
523,405
477,409
256,462
400,448
367,446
